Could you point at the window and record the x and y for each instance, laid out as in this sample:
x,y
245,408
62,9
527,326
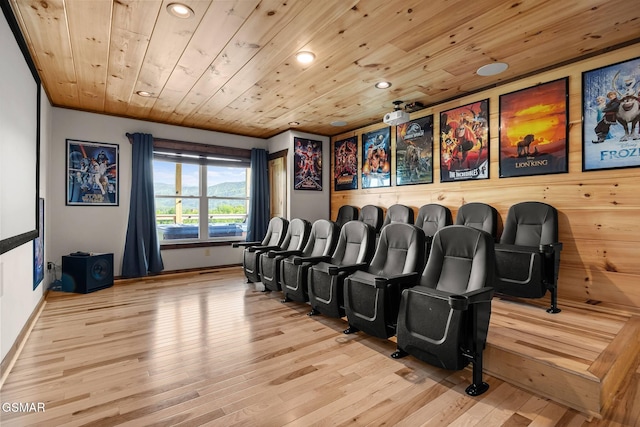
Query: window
x,y
200,197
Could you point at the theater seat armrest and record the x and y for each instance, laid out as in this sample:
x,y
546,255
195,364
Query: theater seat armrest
x,y
334,270
273,254
551,248
463,301
262,248
301,260
479,295
410,279
238,244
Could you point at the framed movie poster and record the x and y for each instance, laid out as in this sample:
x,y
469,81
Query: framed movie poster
x,y
38,248
345,164
611,116
376,158
307,164
464,142
534,130
414,152
92,173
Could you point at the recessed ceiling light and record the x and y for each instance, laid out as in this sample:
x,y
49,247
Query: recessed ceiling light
x,y
383,85
338,123
144,93
180,10
492,69
294,123
305,57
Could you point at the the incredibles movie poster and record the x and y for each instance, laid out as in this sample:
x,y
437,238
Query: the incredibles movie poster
x,y
464,142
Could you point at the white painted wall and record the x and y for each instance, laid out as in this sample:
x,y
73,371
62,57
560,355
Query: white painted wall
x,y
18,299
104,228
309,205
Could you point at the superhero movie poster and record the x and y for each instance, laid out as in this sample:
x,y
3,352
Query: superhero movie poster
x,y
611,116
534,131
345,164
414,152
464,142
92,174
376,158
307,164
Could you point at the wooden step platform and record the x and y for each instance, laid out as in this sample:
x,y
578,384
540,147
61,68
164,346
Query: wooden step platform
x,y
580,357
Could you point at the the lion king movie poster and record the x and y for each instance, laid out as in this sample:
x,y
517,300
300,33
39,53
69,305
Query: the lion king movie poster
x,y
533,130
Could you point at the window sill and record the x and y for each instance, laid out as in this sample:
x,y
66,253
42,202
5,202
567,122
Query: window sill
x,y
190,245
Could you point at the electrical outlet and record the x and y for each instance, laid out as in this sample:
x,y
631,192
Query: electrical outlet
x,y
207,252
49,265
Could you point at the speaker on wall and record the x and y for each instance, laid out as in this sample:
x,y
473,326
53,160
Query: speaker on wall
x,y
84,273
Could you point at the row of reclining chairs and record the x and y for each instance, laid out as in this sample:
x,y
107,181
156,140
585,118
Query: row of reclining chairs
x,y
388,291
528,254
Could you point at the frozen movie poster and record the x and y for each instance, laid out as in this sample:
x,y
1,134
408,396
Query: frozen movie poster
x,y
533,130
376,158
464,142
92,173
307,164
345,164
611,116
414,152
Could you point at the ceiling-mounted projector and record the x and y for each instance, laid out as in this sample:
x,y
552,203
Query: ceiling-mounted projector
x,y
397,117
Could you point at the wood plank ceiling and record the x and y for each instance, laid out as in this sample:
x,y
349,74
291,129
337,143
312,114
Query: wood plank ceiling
x,y
231,67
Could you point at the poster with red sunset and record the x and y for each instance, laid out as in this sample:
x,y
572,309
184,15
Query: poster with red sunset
x,y
533,130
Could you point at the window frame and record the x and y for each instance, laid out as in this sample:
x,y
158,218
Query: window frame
x,y
203,155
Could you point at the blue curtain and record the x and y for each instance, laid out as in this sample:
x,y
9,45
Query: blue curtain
x,y
141,249
258,218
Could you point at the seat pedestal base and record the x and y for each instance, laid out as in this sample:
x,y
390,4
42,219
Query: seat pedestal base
x,y
477,389
350,330
399,354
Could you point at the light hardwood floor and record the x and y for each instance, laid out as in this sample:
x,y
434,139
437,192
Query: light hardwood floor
x,y
209,349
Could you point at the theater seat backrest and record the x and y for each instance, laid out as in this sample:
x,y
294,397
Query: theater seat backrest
x,y
433,217
530,224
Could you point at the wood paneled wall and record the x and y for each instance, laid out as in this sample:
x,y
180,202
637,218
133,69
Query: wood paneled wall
x,y
599,211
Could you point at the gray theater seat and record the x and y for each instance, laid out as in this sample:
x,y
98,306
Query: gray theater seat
x,y
295,240
372,295
444,320
528,255
276,232
326,278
